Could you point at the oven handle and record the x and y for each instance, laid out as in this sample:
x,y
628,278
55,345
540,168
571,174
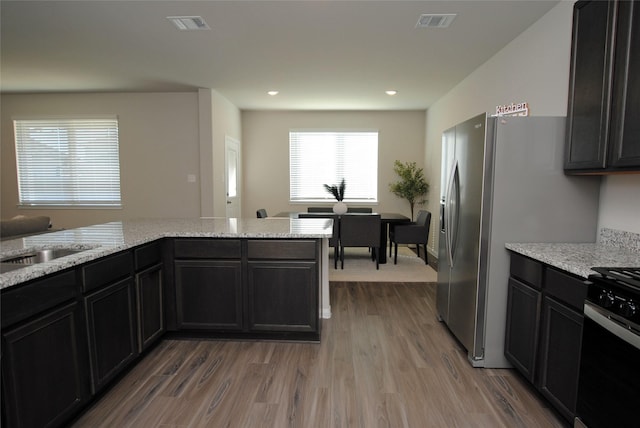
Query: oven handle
x,y
600,317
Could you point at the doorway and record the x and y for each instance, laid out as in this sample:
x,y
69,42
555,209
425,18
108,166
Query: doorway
x,y
232,173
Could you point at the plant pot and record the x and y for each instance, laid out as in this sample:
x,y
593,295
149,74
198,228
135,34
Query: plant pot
x,y
340,207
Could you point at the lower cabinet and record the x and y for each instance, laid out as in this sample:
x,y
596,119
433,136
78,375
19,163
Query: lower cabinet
x,y
560,355
209,294
282,296
523,320
44,369
251,287
544,330
111,325
150,293
149,306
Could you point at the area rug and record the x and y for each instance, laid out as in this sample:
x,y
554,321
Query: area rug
x,y
358,267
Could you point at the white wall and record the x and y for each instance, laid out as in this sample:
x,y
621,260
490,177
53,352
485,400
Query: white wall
x,y
158,150
266,152
620,203
534,68
218,118
164,138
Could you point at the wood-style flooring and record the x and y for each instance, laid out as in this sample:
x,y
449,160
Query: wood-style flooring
x,y
384,361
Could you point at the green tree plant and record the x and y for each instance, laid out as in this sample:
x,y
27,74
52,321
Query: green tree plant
x,y
412,185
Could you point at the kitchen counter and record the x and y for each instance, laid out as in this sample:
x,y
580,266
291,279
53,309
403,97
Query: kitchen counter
x,y
104,239
614,249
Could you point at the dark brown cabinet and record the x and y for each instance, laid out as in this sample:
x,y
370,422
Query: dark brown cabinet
x,y
625,109
45,376
111,320
283,285
523,320
544,329
149,294
602,133
208,284
560,344
280,298
209,294
66,336
257,288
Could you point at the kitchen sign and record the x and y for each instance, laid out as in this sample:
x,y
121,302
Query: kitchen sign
x,y
513,109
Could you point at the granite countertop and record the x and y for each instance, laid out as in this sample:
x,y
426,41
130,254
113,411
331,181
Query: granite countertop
x,y
109,238
614,249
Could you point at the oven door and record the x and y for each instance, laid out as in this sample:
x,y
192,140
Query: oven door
x,y
609,386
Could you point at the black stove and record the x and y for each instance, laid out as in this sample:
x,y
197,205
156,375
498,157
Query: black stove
x,y
609,385
617,290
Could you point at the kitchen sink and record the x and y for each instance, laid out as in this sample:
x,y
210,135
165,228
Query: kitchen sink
x,y
35,257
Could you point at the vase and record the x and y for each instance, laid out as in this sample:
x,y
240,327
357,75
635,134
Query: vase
x,y
339,207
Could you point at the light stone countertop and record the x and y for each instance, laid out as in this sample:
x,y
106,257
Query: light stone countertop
x,y
578,258
109,238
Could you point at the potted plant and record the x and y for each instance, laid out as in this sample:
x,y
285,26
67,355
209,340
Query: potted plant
x,y
412,185
338,192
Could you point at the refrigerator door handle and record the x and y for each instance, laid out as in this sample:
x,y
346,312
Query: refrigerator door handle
x,y
454,212
448,211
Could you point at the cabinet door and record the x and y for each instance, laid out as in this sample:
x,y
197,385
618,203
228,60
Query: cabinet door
x,y
561,341
523,316
111,327
625,129
45,369
209,294
283,296
150,304
589,85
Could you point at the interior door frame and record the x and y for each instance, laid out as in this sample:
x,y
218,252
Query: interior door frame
x,y
233,208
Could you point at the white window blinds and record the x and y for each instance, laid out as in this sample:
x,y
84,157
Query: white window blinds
x,y
68,162
326,157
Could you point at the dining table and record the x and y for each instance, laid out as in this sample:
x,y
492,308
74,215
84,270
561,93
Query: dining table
x,y
386,219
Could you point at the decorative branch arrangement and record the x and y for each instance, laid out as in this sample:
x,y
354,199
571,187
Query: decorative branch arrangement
x,y
337,190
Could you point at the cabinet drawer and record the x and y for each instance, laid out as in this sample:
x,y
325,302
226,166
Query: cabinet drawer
x,y
147,255
207,249
106,270
21,302
281,249
527,270
565,288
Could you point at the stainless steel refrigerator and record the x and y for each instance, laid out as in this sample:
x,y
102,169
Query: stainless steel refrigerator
x,y
502,181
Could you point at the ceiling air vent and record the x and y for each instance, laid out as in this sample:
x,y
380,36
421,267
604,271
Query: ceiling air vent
x,y
435,20
187,23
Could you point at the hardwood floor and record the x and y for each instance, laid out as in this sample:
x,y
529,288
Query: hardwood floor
x,y
384,361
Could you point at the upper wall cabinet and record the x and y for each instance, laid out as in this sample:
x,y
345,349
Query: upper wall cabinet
x,y
604,93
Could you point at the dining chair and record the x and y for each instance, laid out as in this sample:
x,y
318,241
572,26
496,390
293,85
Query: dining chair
x,y
360,231
365,210
261,213
411,233
334,241
320,210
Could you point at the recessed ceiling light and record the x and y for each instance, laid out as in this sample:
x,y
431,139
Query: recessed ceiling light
x,y
442,20
272,93
391,92
186,23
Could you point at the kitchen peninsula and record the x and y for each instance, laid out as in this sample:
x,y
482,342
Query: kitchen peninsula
x,y
116,288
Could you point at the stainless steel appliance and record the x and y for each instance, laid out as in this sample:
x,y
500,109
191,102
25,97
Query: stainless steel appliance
x,y
502,181
609,385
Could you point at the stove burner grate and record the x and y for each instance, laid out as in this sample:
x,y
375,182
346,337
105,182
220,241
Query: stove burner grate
x,y
629,276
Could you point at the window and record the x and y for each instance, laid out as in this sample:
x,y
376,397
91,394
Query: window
x,y
68,162
326,157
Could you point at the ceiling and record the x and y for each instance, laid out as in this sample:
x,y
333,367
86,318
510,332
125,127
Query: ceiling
x,y
319,55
